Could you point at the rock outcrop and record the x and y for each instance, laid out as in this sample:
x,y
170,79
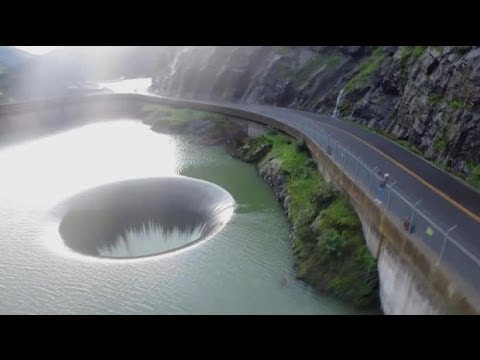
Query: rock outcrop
x,y
329,247
425,96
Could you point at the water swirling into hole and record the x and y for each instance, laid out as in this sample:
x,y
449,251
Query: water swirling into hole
x,y
138,218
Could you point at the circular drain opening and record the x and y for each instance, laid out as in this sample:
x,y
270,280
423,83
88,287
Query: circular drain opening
x,y
138,218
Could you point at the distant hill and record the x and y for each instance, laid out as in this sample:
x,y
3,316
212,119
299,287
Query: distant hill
x,y
10,59
52,73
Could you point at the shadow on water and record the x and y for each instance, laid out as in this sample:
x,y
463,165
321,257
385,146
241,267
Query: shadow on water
x,y
138,218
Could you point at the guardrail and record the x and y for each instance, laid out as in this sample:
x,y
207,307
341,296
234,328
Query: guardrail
x,y
415,218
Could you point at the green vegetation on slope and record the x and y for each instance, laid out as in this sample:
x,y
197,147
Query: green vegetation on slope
x,y
174,118
203,127
458,104
434,99
329,245
474,177
303,180
455,104
368,67
418,51
441,142
409,53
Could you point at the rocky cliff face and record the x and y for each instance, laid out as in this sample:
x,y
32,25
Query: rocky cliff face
x,y
426,96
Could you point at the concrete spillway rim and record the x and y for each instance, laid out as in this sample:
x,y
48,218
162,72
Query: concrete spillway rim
x,y
228,212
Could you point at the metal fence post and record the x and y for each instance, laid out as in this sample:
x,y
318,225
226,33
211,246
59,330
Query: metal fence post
x,y
389,192
371,176
445,243
413,214
356,169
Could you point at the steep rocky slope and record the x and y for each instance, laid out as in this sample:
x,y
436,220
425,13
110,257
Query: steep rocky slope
x,y
427,97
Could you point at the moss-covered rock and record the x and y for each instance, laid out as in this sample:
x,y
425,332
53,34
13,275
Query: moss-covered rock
x,y
329,246
253,153
204,127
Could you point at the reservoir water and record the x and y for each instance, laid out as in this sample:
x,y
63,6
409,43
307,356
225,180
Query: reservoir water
x,y
245,266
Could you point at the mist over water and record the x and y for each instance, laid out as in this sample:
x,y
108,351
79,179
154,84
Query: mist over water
x,y
151,238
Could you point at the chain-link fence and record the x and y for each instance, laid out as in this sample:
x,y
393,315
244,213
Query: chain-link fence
x,y
415,219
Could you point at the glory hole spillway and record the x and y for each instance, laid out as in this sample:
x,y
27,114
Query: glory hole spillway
x,y
143,217
101,215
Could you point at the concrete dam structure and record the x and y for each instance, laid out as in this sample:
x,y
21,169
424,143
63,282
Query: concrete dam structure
x,y
415,276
